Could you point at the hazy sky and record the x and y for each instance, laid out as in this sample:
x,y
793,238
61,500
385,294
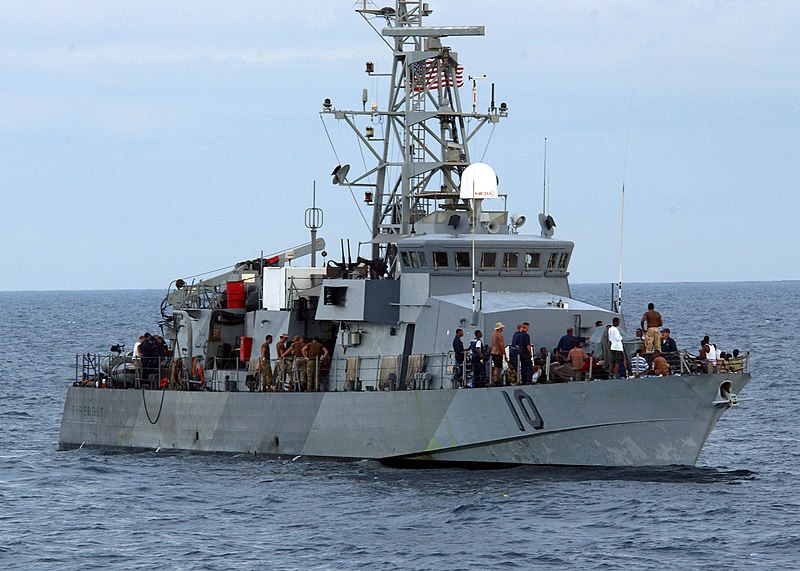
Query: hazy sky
x,y
145,141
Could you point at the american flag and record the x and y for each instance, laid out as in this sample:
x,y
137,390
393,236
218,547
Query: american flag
x,y
427,74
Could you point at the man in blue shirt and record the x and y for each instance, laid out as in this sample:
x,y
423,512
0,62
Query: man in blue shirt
x,y
525,354
668,344
477,360
569,341
458,351
513,349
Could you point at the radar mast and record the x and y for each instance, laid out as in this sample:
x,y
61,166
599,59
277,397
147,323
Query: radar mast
x,y
423,124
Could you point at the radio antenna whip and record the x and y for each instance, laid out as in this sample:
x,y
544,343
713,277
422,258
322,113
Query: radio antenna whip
x,y
622,208
544,180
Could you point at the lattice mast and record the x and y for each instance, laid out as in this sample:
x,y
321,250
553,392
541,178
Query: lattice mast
x,y
423,124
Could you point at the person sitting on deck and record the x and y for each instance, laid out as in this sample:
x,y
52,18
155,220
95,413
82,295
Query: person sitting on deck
x,y
722,362
735,362
639,365
594,368
577,357
660,365
540,364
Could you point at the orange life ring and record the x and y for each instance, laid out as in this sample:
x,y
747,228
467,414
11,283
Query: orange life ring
x,y
197,370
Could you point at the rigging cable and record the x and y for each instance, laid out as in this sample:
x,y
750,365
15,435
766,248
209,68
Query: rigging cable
x,y
488,142
335,154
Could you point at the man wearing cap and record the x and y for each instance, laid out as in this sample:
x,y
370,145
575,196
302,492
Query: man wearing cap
x,y
280,365
668,344
498,353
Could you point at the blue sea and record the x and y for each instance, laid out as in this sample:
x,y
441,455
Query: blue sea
x,y
739,508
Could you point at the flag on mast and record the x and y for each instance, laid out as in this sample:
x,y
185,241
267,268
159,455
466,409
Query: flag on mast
x,y
429,75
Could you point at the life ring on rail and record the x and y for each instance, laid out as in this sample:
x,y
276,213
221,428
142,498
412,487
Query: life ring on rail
x,y
197,370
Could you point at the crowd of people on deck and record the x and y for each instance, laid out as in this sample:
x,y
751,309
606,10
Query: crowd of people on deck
x,y
151,357
483,364
299,366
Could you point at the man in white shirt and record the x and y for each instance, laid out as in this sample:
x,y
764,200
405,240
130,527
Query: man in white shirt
x,y
137,356
617,350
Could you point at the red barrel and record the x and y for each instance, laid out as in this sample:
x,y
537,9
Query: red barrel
x,y
235,295
245,346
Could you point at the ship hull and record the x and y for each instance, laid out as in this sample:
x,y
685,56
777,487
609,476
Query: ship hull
x,y
623,422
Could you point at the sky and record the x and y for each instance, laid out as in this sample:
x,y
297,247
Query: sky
x,y
146,141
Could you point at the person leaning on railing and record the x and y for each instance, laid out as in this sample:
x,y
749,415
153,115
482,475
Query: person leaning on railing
x,y
313,352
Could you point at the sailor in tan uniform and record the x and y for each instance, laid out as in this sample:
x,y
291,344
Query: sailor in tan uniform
x,y
313,352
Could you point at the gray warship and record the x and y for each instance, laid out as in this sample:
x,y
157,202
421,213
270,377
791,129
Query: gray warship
x,y
444,254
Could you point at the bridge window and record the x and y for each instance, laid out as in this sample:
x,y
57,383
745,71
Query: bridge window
x,y
404,258
562,262
462,260
413,258
439,260
423,260
551,262
510,260
532,260
488,260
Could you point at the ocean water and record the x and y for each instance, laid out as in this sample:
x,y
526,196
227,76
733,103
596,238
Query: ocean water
x,y
738,508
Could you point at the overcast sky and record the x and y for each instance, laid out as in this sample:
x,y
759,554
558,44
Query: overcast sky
x,y
145,141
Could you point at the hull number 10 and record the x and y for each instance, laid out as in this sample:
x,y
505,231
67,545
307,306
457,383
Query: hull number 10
x,y
522,408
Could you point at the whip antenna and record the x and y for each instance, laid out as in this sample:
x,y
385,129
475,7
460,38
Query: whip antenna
x,y
544,180
622,208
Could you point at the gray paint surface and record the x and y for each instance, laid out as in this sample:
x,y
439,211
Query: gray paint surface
x,y
624,422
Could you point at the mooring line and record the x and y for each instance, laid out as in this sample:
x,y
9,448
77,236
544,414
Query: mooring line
x,y
160,407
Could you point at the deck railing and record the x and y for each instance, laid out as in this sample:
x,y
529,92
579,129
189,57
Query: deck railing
x,y
353,373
